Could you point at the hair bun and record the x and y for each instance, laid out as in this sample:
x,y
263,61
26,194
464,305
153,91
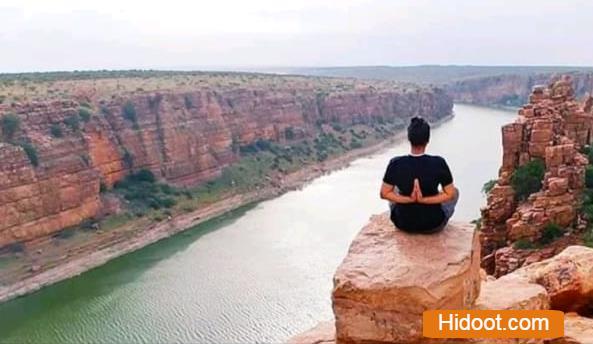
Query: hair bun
x,y
417,120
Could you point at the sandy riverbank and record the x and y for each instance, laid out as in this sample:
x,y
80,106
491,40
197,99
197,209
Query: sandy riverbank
x,y
179,223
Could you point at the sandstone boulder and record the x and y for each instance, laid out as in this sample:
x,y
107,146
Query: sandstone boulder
x,y
389,278
567,277
577,330
510,292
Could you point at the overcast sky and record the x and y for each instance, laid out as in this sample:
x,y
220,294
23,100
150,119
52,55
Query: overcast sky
x,y
113,34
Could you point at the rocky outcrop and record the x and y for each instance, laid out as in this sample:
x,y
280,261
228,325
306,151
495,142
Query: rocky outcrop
x,y
184,137
512,293
567,278
511,90
389,278
552,128
577,330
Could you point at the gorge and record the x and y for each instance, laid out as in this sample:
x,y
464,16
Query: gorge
x,y
262,273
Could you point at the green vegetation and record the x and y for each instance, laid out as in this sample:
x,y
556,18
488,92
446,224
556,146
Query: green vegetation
x,y
129,113
523,244
289,133
128,159
143,192
477,223
103,187
188,102
10,125
65,233
13,248
589,153
589,176
73,122
588,237
85,113
31,152
488,186
527,179
56,130
551,232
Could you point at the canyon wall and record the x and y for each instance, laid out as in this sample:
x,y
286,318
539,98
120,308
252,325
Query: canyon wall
x,y
551,128
510,90
183,137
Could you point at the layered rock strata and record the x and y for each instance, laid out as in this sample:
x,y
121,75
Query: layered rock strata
x,y
552,127
510,90
183,137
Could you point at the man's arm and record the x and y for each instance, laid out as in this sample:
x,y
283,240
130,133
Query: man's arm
x,y
446,195
388,193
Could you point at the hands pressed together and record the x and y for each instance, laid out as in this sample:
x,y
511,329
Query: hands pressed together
x,y
416,194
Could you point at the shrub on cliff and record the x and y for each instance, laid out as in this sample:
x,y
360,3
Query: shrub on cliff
x,y
355,144
488,186
589,176
188,102
527,179
31,152
84,113
289,133
143,192
73,122
551,232
56,130
588,237
10,125
129,113
523,244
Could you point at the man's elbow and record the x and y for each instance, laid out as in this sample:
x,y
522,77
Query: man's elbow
x,y
383,194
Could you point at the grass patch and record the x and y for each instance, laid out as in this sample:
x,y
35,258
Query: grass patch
x,y
114,221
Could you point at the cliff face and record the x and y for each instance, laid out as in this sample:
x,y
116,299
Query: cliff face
x,y
183,137
510,90
551,128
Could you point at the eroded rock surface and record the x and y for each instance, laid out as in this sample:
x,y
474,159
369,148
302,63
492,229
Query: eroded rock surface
x,y
567,278
389,278
552,128
185,137
577,330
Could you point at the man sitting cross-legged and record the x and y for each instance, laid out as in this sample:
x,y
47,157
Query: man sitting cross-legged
x,y
411,185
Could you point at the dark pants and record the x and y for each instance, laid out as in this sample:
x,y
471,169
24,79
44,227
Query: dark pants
x,y
448,210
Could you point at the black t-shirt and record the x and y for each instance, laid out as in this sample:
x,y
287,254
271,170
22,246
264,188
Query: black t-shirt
x,y
430,171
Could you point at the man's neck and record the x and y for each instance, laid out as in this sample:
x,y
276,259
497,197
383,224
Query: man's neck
x,y
417,150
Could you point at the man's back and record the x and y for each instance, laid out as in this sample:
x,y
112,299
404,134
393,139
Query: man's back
x,y
431,171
